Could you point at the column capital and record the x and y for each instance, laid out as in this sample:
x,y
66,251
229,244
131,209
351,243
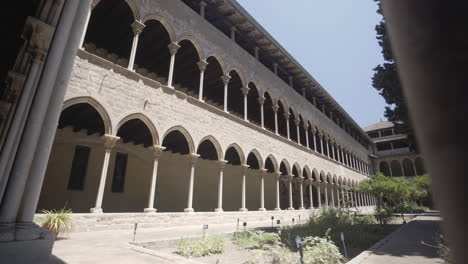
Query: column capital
x,y
137,27
244,168
226,78
157,151
173,48
286,115
221,164
261,100
202,65
297,121
245,91
278,175
305,126
193,158
203,3
262,172
320,135
275,108
110,141
94,3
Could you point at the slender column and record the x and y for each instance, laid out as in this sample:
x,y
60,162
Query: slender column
x,y
326,195
226,78
333,150
301,193
157,151
343,203
414,168
256,52
275,68
278,177
222,165
109,143
298,122
332,195
262,190
193,162
328,147
321,143
233,33
202,67
286,116
202,8
306,128
311,196
261,101
303,92
401,167
290,178
275,110
314,138
355,198
291,83
88,16
361,199
390,169
137,27
245,92
173,48
244,172
347,159
319,194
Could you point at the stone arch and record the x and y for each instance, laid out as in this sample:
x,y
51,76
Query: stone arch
x,y
306,173
239,151
195,44
241,75
149,124
297,167
268,114
134,8
186,134
213,87
315,175
384,168
340,180
322,176
285,167
257,156
272,159
396,168
186,76
329,178
163,22
282,125
96,105
235,99
408,167
253,105
219,59
217,146
292,124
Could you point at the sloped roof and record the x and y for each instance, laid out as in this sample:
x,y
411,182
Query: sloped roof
x,y
379,125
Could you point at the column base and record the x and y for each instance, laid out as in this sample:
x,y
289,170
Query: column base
x,y
277,209
219,210
189,210
7,232
150,210
301,208
96,210
262,209
291,208
243,209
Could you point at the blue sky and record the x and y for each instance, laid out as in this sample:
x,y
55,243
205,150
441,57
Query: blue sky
x,y
334,40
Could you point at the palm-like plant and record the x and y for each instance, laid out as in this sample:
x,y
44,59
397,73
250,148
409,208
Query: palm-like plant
x,y
58,220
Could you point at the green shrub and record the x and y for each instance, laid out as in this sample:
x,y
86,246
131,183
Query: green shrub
x,y
409,208
204,246
257,239
57,221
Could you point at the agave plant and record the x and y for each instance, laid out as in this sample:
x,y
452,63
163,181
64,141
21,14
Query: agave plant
x,y
58,220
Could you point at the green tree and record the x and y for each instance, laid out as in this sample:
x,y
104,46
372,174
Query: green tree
x,y
387,82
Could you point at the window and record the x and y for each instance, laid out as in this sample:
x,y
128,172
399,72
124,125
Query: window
x,y
78,168
386,132
383,146
374,134
400,144
119,172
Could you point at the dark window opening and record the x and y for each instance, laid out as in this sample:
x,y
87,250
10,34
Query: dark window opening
x,y
120,168
78,168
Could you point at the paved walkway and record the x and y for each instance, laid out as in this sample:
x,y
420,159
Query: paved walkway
x,y
404,245
115,247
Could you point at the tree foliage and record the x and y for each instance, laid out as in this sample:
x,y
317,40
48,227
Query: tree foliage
x,y
387,82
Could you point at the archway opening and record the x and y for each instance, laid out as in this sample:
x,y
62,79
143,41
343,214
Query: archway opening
x,y
282,125
253,182
384,168
205,188
408,167
110,34
213,87
396,168
284,186
292,125
232,180
268,113
253,106
235,96
302,132
186,71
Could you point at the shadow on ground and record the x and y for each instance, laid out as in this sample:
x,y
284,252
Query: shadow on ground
x,y
55,260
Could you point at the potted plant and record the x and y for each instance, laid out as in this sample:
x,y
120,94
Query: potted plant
x,y
57,220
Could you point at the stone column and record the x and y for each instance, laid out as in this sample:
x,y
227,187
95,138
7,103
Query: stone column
x,y
301,192
261,101
290,178
222,165
202,67
278,177
109,143
319,194
256,52
245,92
355,198
326,195
137,28
262,190
286,116
88,16
226,78
311,195
390,169
306,128
402,170
275,110
328,146
298,122
347,159
333,150
314,139
332,195
343,204
193,162
244,171
202,8
321,143
275,68
173,48
157,151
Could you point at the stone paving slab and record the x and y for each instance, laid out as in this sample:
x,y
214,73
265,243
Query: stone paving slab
x,y
404,245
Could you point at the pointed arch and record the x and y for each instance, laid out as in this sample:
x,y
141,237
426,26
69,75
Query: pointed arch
x,y
268,113
96,105
258,158
282,125
285,168
419,164
195,44
298,169
384,168
235,103
241,74
306,172
219,59
271,161
186,71
163,22
214,143
253,105
238,150
315,175
213,86
322,176
185,133
143,118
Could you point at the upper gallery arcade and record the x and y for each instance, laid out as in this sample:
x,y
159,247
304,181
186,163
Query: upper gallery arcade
x,y
192,106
